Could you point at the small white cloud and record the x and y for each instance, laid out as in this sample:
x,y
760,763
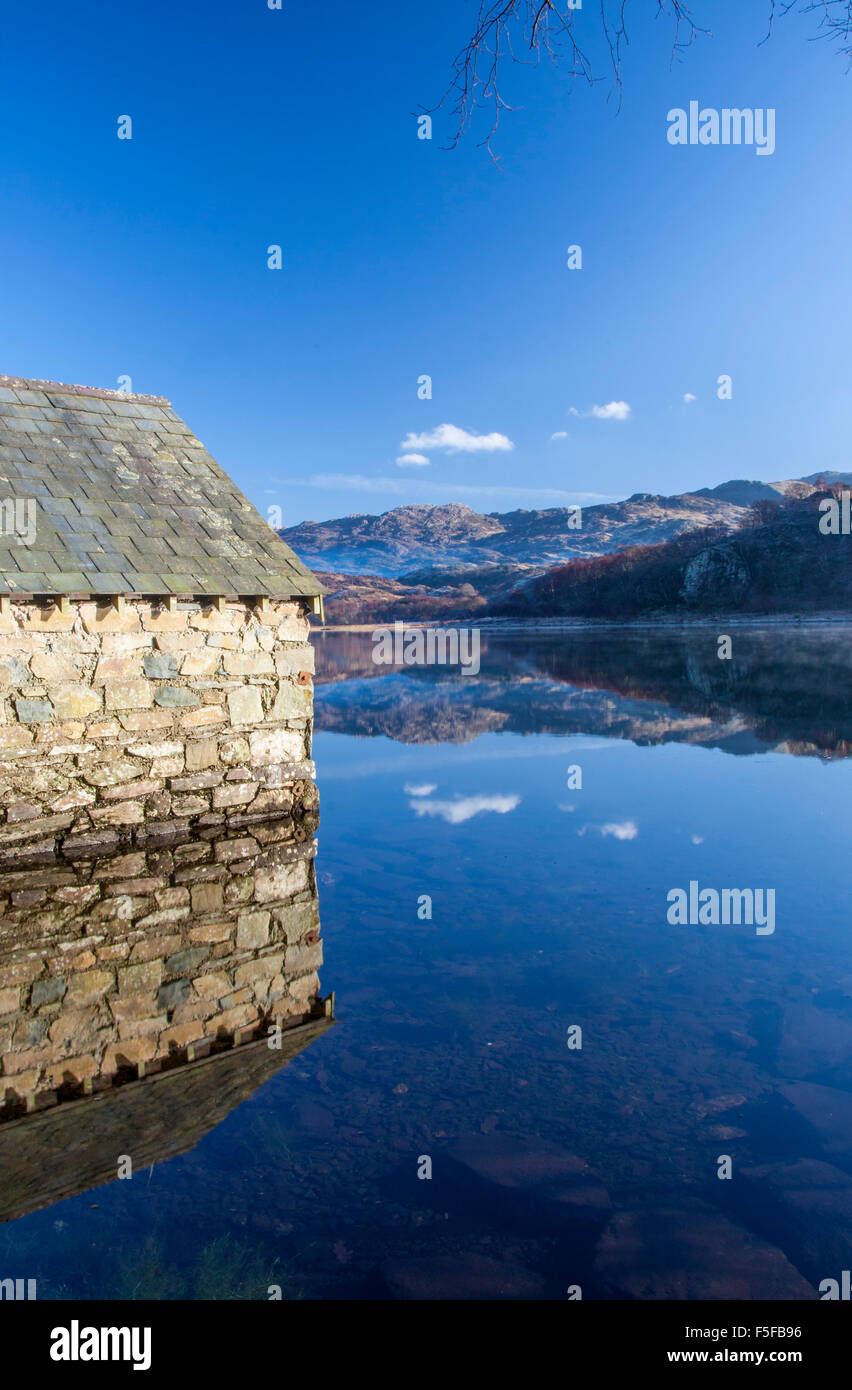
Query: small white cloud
x,y
457,441
565,807
573,411
615,410
623,830
412,461
698,839
689,398
560,434
465,807
426,790
618,830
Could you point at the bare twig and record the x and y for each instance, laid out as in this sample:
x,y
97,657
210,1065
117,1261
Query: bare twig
x,y
549,27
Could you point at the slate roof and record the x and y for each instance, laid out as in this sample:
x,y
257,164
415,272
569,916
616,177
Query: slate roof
x,y
128,501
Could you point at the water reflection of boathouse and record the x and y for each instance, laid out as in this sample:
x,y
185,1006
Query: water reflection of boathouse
x,y
143,997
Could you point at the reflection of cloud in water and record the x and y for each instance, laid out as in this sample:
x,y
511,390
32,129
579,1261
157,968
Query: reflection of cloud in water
x,y
425,790
464,807
619,830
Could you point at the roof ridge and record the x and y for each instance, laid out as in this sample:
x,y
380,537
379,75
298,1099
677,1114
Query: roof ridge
x,y
66,389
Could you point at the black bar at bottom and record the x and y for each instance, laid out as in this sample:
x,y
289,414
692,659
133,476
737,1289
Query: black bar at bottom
x,y
183,1343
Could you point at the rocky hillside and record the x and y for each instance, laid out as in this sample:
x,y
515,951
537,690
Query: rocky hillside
x,y
432,595
419,536
397,540
743,493
780,562
452,536
420,563
371,598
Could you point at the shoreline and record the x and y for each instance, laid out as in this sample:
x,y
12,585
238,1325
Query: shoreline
x,y
525,625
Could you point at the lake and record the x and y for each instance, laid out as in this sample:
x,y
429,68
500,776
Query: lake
x,y
543,1080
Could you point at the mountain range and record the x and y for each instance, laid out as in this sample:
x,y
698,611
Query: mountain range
x,y
452,537
421,563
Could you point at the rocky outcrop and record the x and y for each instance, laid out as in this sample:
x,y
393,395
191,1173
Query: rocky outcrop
x,y
717,576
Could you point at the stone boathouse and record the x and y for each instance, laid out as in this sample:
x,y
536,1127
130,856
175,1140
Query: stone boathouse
x,y
155,672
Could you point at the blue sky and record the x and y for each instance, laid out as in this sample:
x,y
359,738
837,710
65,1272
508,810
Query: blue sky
x,y
254,127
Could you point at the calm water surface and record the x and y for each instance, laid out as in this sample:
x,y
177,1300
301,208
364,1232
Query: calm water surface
x,y
552,1166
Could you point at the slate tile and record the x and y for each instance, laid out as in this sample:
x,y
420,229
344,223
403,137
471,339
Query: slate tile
x,y
122,485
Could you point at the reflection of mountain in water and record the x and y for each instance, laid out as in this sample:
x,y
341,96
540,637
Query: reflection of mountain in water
x,y
139,995
785,688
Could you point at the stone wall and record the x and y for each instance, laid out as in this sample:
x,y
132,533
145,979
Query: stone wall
x,y
114,966
139,722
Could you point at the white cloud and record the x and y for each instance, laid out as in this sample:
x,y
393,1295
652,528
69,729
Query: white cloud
x,y
445,491
563,806
623,830
412,461
618,830
464,807
616,410
426,790
454,440
689,398
698,839
560,434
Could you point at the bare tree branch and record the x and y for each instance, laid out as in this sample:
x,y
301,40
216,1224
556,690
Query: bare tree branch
x,y
835,21
548,29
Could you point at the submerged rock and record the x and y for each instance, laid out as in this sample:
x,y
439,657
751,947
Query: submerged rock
x,y
461,1277
811,1203
812,1040
829,1112
691,1252
532,1174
